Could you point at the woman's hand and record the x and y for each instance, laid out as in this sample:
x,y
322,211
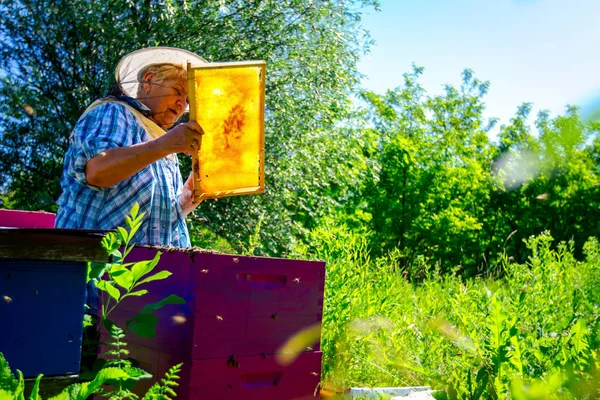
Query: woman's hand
x,y
184,138
186,201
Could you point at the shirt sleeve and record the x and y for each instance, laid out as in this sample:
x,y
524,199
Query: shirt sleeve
x,y
107,126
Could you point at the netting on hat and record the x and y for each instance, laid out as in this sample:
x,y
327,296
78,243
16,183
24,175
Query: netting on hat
x,y
227,100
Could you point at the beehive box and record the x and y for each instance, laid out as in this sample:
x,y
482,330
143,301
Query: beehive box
x,y
42,286
237,308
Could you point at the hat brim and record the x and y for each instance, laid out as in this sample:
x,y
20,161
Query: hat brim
x,y
128,68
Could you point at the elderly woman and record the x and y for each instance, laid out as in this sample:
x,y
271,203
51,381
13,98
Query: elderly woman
x,y
123,151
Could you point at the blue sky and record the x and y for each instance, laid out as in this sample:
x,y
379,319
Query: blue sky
x,y
542,51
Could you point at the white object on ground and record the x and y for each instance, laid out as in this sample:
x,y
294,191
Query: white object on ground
x,y
398,392
424,395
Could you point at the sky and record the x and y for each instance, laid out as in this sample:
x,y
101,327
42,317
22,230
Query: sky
x,y
546,52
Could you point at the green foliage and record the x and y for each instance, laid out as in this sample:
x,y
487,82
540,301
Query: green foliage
x,y
81,391
531,334
7,380
163,389
12,388
120,280
440,191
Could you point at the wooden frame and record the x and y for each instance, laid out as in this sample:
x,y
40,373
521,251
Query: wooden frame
x,y
209,187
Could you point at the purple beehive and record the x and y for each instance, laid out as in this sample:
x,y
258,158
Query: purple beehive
x,y
236,308
26,219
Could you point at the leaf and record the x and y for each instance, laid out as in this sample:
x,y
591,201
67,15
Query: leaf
x,y
496,323
95,270
137,293
87,320
36,388
110,243
139,269
578,337
171,299
106,286
156,277
122,276
134,210
143,324
6,395
123,235
7,379
137,373
20,390
81,391
134,375
516,358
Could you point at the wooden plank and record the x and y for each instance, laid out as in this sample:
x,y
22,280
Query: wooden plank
x,y
53,244
51,385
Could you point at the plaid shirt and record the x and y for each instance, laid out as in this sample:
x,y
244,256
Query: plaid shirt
x,y
156,188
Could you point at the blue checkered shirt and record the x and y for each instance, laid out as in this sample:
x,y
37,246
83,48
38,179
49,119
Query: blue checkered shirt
x,y
156,188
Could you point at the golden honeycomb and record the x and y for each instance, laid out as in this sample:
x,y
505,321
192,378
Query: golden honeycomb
x,y
227,100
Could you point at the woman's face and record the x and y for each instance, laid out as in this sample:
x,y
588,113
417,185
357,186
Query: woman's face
x,y
167,100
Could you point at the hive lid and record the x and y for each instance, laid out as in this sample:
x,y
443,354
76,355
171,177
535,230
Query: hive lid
x,y
53,244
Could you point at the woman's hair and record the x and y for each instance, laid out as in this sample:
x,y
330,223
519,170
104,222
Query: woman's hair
x,y
161,73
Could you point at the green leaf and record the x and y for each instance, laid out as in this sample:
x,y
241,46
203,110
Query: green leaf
x,y
134,211
20,390
122,276
171,299
123,235
87,320
139,269
109,288
156,277
137,293
137,373
35,395
110,242
95,270
81,391
7,379
6,395
578,337
516,358
143,324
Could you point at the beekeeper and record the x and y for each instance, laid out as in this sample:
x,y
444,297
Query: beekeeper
x,y
123,150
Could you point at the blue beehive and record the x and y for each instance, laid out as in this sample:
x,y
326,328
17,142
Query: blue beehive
x,y
42,288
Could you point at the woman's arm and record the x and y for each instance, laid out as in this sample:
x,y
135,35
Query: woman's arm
x,y
115,165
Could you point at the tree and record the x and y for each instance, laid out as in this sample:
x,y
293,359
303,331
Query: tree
x,y
548,182
444,193
431,194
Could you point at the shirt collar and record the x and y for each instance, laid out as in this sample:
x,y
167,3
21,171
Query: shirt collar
x,y
130,101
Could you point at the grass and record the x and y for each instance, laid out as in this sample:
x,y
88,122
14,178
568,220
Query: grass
x,y
533,333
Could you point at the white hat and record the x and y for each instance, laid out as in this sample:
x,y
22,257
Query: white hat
x,y
130,65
